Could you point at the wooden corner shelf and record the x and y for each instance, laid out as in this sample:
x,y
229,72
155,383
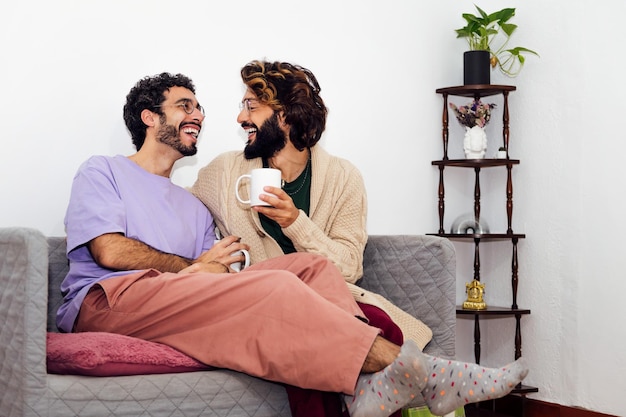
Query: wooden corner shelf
x,y
477,165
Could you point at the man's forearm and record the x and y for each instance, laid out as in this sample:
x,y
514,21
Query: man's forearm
x,y
117,252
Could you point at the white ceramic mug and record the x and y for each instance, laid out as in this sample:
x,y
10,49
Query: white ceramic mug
x,y
236,266
259,178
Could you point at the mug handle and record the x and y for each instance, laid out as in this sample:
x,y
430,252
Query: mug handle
x,y
242,200
246,254
238,266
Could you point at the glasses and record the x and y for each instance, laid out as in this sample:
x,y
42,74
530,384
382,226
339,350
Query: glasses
x,y
249,104
187,106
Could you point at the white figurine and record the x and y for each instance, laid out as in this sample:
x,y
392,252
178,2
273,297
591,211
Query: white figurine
x,y
475,142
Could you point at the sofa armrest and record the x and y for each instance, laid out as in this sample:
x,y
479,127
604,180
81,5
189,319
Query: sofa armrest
x,y
418,274
23,313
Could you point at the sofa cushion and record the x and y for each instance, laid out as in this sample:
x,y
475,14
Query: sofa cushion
x,y
109,354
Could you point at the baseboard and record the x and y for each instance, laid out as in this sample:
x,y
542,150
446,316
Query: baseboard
x,y
518,406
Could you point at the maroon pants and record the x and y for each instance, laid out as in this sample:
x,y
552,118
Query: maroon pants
x,y
313,403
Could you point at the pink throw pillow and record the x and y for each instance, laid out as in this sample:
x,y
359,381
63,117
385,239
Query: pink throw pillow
x,y
110,354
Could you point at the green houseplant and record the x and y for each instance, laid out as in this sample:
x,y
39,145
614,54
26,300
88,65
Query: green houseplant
x,y
491,33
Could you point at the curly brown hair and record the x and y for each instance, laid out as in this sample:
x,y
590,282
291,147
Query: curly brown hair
x,y
293,90
149,93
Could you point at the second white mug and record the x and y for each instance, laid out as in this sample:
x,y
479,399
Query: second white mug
x,y
259,178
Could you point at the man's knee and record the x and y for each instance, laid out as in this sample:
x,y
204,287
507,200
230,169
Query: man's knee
x,y
311,259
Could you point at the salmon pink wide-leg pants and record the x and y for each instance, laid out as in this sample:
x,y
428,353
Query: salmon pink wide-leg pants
x,y
289,319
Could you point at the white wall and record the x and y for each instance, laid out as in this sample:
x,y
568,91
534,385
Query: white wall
x,y
67,65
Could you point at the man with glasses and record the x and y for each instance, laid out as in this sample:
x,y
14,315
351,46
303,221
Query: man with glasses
x,y
322,206
143,263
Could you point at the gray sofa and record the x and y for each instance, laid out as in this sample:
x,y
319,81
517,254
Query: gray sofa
x,y
417,273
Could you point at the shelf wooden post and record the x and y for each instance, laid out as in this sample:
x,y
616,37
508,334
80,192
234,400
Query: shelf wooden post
x,y
514,273
444,129
477,339
518,336
477,194
505,122
509,198
477,258
441,192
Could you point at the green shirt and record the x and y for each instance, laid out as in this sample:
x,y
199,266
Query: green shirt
x,y
300,192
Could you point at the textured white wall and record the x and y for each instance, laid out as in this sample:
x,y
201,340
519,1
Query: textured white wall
x,y
67,66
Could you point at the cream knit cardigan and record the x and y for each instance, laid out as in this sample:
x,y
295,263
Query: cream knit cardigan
x,y
335,226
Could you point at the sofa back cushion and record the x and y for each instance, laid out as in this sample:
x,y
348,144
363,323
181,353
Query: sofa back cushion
x,y
418,274
415,272
58,266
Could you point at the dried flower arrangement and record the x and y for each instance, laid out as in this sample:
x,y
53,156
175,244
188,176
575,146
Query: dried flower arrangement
x,y
473,114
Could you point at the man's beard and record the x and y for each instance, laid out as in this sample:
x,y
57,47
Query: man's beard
x,y
269,140
169,135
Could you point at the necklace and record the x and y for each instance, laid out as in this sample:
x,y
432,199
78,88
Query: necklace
x,y
303,181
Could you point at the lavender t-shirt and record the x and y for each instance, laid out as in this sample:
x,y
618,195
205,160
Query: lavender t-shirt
x,y
115,195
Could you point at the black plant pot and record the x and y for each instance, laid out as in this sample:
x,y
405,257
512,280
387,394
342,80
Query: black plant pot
x,y
476,69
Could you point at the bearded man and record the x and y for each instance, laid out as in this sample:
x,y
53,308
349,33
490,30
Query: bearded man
x,y
322,206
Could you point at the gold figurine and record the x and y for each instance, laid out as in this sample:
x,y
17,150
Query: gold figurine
x,y
475,291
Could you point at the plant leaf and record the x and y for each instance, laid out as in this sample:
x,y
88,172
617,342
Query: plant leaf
x,y
482,13
508,28
503,15
519,49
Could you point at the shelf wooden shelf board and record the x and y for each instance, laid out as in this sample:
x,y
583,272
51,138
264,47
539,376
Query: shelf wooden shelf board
x,y
473,90
476,163
492,311
484,236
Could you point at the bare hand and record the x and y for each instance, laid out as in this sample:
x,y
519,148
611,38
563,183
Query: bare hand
x,y
221,252
282,209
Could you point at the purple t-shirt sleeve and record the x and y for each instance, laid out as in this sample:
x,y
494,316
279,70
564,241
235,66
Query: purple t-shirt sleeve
x,y
95,206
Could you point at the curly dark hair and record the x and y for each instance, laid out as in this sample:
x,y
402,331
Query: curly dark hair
x,y
148,93
294,90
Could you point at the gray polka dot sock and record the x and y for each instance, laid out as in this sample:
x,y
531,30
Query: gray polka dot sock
x,y
452,384
381,393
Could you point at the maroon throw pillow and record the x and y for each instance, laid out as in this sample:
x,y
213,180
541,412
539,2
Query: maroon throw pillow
x,y
110,354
